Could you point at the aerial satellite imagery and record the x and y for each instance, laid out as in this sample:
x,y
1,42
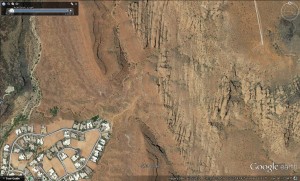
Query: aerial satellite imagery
x,y
149,90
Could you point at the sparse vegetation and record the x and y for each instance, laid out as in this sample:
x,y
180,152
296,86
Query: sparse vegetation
x,y
95,118
54,111
20,118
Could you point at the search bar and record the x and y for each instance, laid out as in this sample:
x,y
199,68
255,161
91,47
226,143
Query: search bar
x,y
40,11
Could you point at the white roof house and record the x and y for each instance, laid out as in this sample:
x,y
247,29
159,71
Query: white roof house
x,y
6,148
54,176
63,156
67,134
51,171
67,142
89,125
40,157
40,141
18,131
82,159
77,165
102,142
16,150
105,126
99,147
34,169
39,174
4,161
21,156
26,138
94,159
76,176
83,175
33,162
74,157
71,178
96,153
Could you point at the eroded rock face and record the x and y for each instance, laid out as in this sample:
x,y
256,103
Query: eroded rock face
x,y
212,93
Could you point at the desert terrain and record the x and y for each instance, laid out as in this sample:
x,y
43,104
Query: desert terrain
x,y
189,87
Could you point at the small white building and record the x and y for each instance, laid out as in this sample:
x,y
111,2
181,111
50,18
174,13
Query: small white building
x,y
6,148
63,156
40,157
76,176
18,132
32,163
105,126
77,165
94,159
26,138
16,150
102,142
67,134
39,174
83,175
22,156
99,147
67,142
4,161
35,169
74,157
71,178
82,159
96,153
89,125
40,141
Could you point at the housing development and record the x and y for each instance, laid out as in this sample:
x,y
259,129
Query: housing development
x,y
66,150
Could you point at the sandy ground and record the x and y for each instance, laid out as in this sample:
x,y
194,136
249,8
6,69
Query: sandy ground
x,y
186,85
50,140
86,146
16,163
69,165
55,164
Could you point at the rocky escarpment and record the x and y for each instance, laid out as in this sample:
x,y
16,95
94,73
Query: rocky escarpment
x,y
20,53
208,91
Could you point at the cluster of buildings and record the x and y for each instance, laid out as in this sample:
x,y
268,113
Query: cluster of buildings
x,y
83,173
5,158
26,146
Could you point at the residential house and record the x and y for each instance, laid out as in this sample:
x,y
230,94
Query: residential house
x,y
40,157
76,125
77,165
94,159
30,129
18,132
6,148
89,125
67,134
74,135
49,155
63,156
43,129
74,157
22,156
28,155
81,136
67,142
16,150
24,129
83,175
82,126
40,141
102,142
59,145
